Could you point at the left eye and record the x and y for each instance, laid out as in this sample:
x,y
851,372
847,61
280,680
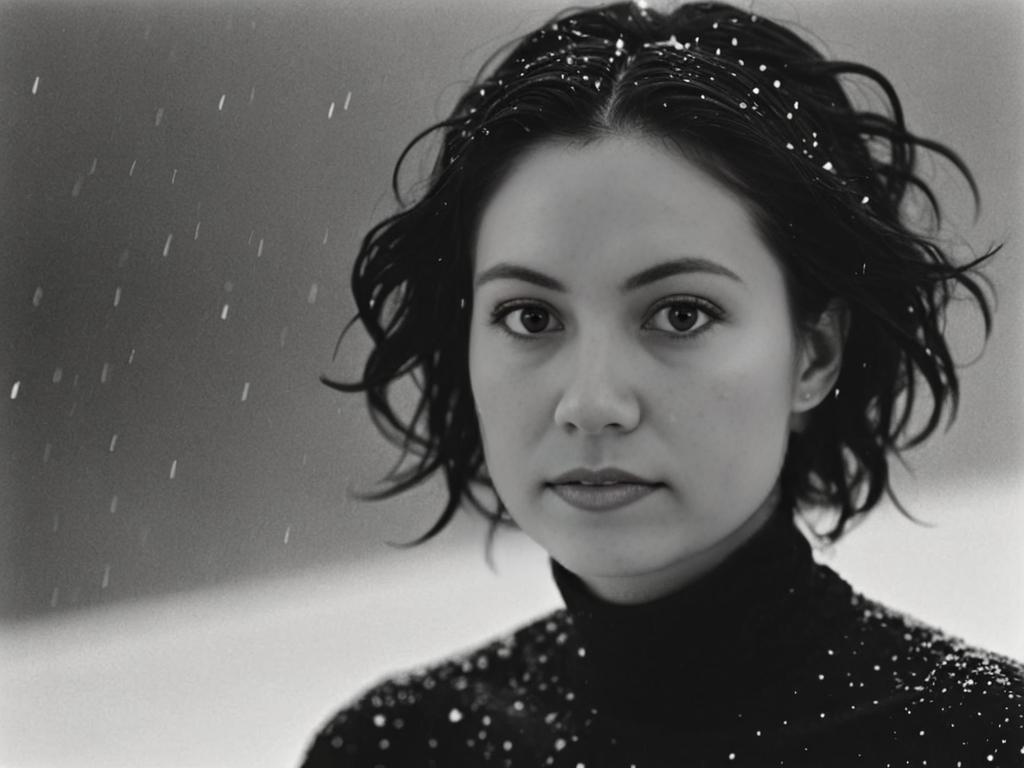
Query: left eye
x,y
680,317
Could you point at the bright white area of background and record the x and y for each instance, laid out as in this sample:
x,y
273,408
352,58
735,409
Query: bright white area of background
x,y
242,676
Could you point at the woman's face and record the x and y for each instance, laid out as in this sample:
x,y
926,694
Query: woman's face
x,y
627,315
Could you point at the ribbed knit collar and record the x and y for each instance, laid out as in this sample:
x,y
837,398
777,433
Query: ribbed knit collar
x,y
741,627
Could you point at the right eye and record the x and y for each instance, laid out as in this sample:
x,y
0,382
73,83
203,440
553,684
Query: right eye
x,y
525,320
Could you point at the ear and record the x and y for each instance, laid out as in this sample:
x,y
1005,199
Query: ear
x,y
819,361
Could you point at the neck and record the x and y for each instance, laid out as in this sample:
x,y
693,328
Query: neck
x,y
651,585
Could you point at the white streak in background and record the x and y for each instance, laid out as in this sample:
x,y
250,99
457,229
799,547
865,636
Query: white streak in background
x,y
15,389
117,295
37,296
56,523
113,505
47,450
259,249
174,175
92,168
35,86
167,243
77,188
105,373
287,534
284,336
245,392
159,117
196,235
131,356
252,234
326,232
174,468
220,106
312,294
224,312
348,98
330,111
106,576
113,443
252,94
131,170
58,374
54,596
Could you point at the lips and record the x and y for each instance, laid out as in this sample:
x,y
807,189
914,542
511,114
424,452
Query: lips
x,y
596,490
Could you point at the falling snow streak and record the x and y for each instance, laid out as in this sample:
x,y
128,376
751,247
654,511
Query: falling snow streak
x,y
35,85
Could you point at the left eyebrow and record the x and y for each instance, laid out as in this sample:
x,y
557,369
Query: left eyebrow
x,y
684,265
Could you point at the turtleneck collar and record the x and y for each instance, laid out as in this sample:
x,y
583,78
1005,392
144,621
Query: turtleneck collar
x,y
747,620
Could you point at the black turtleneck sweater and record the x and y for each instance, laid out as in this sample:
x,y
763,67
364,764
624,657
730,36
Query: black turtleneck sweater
x,y
769,660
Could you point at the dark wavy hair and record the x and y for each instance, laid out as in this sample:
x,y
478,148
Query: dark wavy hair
x,y
834,190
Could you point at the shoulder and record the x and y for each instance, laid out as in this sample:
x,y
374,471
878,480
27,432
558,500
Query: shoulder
x,y
973,694
414,715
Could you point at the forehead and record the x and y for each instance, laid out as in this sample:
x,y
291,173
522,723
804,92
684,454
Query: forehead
x,y
615,205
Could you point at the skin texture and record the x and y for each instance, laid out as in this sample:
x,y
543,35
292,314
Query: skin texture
x,y
692,381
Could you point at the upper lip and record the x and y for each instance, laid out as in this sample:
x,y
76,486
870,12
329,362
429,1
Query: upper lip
x,y
607,475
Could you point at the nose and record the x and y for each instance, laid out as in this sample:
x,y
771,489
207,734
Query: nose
x,y
599,392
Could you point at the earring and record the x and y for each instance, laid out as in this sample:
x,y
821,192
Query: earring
x,y
805,396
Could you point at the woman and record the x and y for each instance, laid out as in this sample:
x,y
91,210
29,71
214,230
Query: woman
x,y
665,292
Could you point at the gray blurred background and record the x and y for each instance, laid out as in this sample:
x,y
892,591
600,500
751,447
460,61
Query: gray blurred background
x,y
184,188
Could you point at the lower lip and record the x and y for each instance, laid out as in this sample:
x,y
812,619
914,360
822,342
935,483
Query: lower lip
x,y
595,498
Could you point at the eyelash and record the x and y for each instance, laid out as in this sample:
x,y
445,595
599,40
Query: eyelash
x,y
713,313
